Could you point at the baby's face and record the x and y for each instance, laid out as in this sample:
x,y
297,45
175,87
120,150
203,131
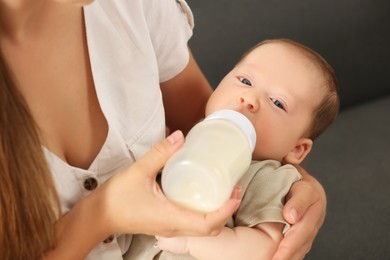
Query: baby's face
x,y
277,89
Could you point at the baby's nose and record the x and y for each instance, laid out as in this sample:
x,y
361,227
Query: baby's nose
x,y
249,102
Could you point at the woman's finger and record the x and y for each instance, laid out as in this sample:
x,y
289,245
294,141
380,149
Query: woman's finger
x,y
155,159
191,223
298,240
301,196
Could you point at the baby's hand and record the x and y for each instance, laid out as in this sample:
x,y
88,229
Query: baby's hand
x,y
176,245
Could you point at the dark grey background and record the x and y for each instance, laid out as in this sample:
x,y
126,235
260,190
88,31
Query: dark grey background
x,y
352,159
353,35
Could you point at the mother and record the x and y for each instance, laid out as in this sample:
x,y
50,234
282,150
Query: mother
x,y
83,92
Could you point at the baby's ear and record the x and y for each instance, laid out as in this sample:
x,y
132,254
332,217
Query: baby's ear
x,y
298,154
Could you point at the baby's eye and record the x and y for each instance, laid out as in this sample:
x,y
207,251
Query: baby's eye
x,y
277,103
245,81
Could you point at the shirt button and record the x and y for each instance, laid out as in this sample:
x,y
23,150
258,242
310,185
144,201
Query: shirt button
x,y
109,239
90,183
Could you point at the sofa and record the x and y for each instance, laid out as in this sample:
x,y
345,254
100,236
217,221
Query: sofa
x,y
352,158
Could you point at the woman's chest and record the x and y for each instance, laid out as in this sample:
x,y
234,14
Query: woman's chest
x,y
56,81
67,111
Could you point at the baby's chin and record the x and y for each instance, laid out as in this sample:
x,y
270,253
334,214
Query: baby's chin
x,y
209,110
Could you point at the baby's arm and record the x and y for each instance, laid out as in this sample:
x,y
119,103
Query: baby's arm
x,y
259,242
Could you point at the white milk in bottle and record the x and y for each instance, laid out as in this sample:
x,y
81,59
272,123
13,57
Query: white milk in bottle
x,y
215,155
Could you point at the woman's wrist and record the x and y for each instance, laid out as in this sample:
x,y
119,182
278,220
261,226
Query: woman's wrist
x,y
81,229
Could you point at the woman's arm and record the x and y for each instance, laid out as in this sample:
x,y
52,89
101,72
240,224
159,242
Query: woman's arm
x,y
232,243
185,97
132,202
305,210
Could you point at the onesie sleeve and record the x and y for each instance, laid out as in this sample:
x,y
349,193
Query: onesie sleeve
x,y
264,197
170,23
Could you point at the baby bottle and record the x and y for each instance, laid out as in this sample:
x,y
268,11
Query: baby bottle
x,y
216,153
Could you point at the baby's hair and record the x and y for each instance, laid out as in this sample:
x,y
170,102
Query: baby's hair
x,y
327,110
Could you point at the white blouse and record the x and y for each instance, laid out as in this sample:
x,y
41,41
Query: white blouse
x,y
133,46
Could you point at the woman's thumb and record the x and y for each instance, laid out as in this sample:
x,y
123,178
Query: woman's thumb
x,y
156,158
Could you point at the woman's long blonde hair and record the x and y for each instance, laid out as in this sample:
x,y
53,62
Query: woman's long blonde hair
x,y
29,205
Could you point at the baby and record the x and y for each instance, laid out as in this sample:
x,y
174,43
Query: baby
x,y
290,94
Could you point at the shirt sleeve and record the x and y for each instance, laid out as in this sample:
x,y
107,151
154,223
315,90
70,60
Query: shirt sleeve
x,y
170,23
264,197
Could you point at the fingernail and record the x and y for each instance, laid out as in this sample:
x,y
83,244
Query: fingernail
x,y
238,203
174,137
293,214
239,190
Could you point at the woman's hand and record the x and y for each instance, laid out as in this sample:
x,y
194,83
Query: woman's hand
x,y
132,202
305,210
135,203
